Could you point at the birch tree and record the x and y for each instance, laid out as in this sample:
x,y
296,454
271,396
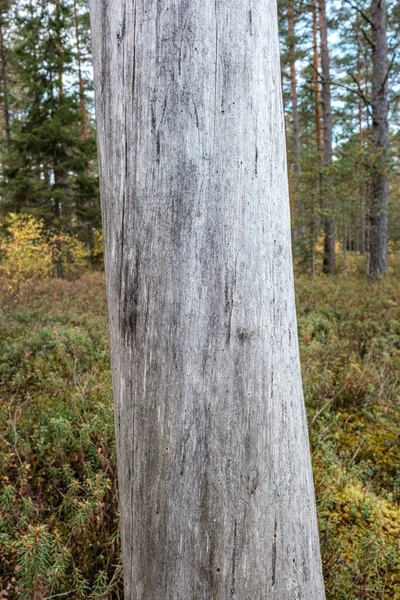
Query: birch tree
x,y
215,481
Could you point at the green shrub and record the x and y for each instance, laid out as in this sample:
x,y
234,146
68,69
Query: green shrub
x,y
58,506
58,500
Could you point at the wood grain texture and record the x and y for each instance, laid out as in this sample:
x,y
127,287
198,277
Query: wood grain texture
x,y
215,480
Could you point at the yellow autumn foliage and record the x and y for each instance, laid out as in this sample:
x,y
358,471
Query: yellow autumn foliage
x,y
26,252
98,246
29,252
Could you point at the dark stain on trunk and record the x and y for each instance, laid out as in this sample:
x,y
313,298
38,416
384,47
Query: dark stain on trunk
x,y
196,115
130,299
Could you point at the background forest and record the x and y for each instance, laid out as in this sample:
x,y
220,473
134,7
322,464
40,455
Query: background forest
x,y
59,532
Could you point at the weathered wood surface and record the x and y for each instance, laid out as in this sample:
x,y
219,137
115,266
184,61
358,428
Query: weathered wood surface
x,y
215,480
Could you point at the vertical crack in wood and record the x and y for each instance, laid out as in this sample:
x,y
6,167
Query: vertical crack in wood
x,y
125,182
234,553
216,70
134,52
158,146
274,554
196,114
229,289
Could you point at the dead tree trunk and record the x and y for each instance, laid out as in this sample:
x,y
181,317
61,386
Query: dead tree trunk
x,y
215,480
380,108
329,261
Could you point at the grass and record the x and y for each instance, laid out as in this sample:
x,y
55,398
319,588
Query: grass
x,y
58,510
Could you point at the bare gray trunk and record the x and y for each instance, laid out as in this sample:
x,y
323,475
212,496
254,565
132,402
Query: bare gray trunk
x,y
380,179
215,481
329,261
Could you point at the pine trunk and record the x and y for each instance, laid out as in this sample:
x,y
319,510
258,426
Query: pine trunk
x,y
4,82
360,64
318,133
59,49
329,262
317,90
215,480
82,99
380,109
293,90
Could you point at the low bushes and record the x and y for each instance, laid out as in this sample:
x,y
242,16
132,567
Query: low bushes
x,y
58,508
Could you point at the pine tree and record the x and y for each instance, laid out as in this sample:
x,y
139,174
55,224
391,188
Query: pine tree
x,y
51,168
